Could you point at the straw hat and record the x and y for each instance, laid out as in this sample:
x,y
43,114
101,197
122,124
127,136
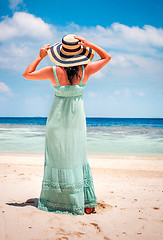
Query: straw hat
x,y
69,53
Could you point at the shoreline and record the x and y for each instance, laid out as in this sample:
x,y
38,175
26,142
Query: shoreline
x,y
128,189
102,154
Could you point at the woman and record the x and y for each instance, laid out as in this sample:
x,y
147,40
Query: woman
x,y
67,185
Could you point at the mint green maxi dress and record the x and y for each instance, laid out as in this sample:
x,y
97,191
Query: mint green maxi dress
x,y
67,185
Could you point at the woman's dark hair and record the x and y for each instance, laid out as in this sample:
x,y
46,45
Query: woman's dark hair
x,y
71,72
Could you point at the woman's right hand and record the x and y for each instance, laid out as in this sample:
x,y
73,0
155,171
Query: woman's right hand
x,y
43,50
83,42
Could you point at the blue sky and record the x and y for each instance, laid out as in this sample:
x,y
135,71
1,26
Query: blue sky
x,y
130,85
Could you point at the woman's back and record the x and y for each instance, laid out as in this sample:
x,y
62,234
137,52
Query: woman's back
x,y
63,89
63,77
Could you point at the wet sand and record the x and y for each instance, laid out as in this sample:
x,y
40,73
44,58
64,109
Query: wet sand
x,y
129,191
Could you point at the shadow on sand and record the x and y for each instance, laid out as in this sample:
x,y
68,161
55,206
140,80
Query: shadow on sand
x,y
30,202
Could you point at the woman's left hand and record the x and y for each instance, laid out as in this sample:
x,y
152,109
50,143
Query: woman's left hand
x,y
43,50
83,41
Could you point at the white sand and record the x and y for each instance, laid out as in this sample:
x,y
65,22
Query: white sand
x,y
129,190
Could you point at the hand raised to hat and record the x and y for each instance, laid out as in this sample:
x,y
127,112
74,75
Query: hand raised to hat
x,y
83,42
43,50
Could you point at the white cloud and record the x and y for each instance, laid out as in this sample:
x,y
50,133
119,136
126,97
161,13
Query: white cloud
x,y
117,92
122,60
123,92
141,93
119,35
130,64
13,4
99,74
127,92
112,99
16,56
24,25
146,35
91,94
5,89
22,36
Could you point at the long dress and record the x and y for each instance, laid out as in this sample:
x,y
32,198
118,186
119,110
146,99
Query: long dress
x,y
67,185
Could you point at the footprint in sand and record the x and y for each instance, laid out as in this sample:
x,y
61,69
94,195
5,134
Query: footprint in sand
x,y
103,206
64,233
106,238
78,234
143,219
20,174
122,208
83,224
156,208
62,238
99,230
97,226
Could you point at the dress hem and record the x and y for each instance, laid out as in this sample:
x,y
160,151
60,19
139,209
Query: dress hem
x,y
71,210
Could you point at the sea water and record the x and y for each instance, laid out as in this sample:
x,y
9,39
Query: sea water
x,y
104,135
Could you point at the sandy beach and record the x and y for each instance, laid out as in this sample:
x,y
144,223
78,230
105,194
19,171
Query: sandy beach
x,y
129,190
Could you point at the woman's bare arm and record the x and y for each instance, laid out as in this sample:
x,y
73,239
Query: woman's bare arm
x,y
42,74
95,66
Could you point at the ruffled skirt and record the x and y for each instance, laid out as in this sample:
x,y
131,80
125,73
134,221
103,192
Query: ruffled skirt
x,y
67,190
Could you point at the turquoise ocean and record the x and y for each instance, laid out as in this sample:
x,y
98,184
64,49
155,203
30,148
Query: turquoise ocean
x,y
129,136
